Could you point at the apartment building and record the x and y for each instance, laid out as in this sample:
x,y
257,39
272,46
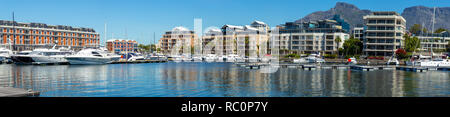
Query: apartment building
x,y
384,33
358,33
179,38
312,37
247,40
28,36
121,46
434,41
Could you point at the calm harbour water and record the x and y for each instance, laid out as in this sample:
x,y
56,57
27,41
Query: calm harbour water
x,y
218,80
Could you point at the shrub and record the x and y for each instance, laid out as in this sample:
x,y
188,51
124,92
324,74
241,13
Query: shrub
x,y
331,56
401,53
292,56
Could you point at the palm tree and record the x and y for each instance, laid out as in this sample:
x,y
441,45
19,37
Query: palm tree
x,y
338,40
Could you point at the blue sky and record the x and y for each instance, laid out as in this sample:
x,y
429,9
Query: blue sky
x,y
139,19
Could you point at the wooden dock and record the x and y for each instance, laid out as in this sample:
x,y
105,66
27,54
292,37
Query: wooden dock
x,y
363,68
412,68
342,66
16,92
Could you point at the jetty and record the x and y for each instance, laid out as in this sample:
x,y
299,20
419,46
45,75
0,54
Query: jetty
x,y
17,92
343,66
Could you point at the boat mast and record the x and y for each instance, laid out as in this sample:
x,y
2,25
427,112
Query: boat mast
x,y
12,46
432,29
154,42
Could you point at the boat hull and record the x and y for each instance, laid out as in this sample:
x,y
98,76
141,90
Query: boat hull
x,y
50,60
88,61
22,59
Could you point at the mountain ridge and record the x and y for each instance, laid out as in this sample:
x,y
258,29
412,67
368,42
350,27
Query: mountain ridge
x,y
413,15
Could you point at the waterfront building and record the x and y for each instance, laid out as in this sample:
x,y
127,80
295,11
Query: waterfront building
x,y
179,38
434,41
247,40
358,33
311,37
28,36
384,33
121,46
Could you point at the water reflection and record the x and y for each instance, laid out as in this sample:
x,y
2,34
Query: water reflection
x,y
217,80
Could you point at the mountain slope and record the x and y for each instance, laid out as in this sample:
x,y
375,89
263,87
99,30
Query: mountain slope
x,y
413,15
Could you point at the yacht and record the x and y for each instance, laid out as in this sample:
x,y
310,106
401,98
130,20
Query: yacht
x,y
221,59
5,54
22,57
210,58
393,61
197,59
239,59
352,61
92,56
135,56
301,60
312,58
187,58
50,56
428,61
253,59
231,58
157,57
176,58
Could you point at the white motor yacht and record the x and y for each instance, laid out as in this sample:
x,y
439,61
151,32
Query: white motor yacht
x,y
92,56
301,60
176,58
210,58
157,57
232,58
429,61
352,61
253,59
197,58
50,56
221,59
312,58
135,57
5,54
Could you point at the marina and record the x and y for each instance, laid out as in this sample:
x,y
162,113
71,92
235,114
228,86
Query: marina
x,y
203,79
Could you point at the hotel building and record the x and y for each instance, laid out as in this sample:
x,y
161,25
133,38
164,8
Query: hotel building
x,y
384,33
121,46
179,38
28,36
248,40
311,37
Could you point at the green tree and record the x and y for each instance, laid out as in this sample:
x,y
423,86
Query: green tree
x,y
440,30
338,40
417,28
352,47
411,44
